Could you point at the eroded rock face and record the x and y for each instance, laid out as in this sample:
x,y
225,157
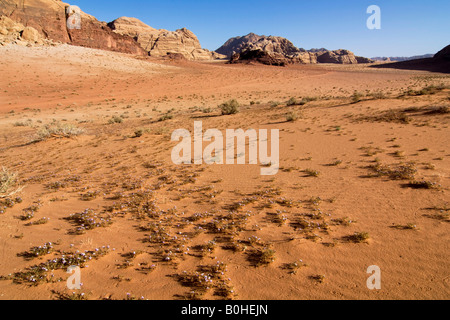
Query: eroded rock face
x,y
337,56
283,52
364,60
160,43
267,50
255,54
238,44
48,18
16,33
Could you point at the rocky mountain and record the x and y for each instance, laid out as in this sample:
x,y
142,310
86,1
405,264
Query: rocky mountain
x,y
48,18
280,51
159,43
15,32
47,21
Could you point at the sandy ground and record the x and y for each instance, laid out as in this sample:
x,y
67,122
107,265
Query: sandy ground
x,y
165,226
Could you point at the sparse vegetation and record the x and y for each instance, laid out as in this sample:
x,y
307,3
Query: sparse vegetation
x,y
311,172
358,237
230,107
356,97
115,119
292,116
404,171
423,184
58,130
9,181
292,102
166,116
429,90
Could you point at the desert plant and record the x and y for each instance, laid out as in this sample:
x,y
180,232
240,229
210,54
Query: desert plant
x,y
356,97
166,116
115,119
264,256
292,116
319,278
292,102
438,110
405,171
311,172
58,130
8,183
358,237
423,184
230,107
274,104
378,95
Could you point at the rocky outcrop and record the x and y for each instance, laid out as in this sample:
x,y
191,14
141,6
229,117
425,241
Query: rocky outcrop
x,y
16,33
238,44
259,56
159,43
267,50
363,60
254,54
48,18
337,56
280,51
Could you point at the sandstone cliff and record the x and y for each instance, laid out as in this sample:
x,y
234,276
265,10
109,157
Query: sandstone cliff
x,y
280,51
160,43
48,18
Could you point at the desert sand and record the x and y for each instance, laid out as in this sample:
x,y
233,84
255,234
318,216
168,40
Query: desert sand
x,y
363,180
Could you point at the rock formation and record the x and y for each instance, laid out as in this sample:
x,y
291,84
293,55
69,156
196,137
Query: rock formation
x,y
237,44
159,43
267,50
17,33
280,51
48,18
337,56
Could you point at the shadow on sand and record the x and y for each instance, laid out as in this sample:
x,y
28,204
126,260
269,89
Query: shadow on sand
x,y
429,64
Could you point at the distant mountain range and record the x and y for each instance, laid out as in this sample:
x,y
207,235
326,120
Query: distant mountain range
x,y
399,59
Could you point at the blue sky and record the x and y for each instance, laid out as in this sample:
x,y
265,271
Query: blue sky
x,y
408,28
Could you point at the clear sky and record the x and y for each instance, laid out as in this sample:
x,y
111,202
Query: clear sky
x,y
408,27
